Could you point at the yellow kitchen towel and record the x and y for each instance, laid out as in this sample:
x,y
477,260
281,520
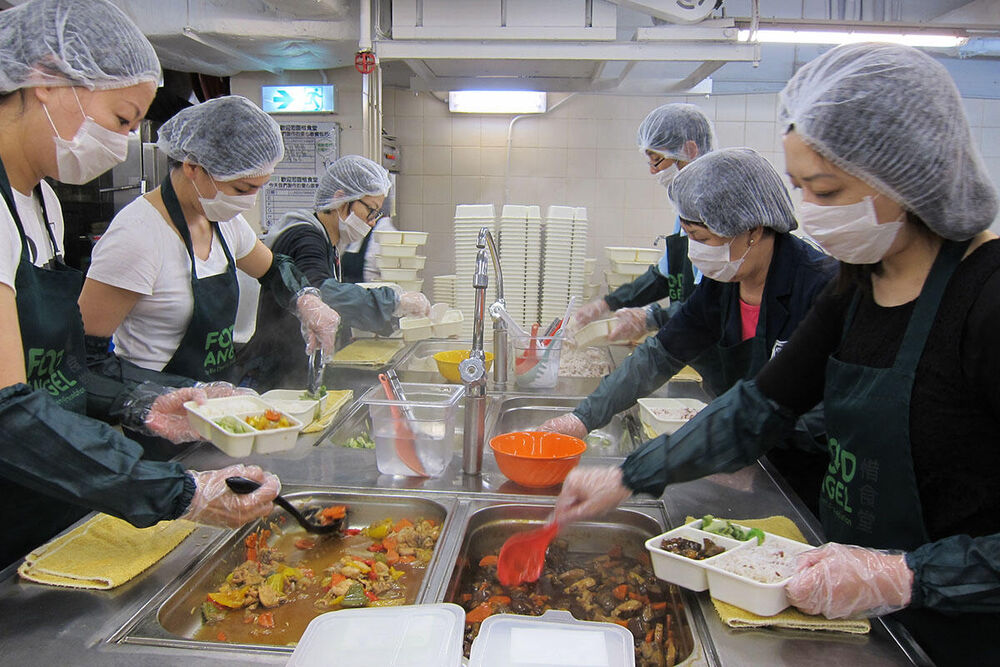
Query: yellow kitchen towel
x,y
103,553
791,618
332,403
368,352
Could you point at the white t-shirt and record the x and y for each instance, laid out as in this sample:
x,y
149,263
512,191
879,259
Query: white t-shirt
x,y
30,212
142,253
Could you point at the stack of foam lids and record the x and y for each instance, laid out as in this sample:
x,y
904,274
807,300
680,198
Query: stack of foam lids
x,y
398,261
564,259
625,264
431,635
520,257
443,289
469,219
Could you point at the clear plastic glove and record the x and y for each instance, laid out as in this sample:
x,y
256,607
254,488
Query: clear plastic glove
x,y
214,504
223,389
412,304
319,323
588,313
631,324
843,581
167,416
567,424
588,492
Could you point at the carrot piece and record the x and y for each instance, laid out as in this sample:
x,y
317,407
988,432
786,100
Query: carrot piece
x,y
391,556
304,543
336,578
649,636
479,614
498,599
407,559
266,620
221,636
390,543
466,597
620,592
659,606
486,561
334,512
401,524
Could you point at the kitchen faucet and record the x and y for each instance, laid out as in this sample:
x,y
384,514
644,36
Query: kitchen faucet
x,y
473,369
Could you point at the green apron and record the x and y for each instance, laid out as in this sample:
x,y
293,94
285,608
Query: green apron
x,y
869,496
352,264
206,350
676,267
722,366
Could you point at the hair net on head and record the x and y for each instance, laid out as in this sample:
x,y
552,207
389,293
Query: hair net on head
x,y
349,178
666,129
732,191
231,137
73,43
891,116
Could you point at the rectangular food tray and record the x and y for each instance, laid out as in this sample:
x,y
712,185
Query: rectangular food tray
x,y
202,419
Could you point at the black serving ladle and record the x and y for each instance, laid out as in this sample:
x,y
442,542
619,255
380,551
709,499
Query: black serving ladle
x,y
243,486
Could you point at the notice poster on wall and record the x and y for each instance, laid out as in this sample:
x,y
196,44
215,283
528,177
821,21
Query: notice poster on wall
x,y
310,147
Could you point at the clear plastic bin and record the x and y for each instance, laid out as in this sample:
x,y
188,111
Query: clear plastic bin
x,y
415,437
536,361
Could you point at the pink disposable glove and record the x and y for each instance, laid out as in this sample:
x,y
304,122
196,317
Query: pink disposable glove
x,y
412,304
588,313
567,424
168,418
319,323
588,492
631,324
214,504
843,581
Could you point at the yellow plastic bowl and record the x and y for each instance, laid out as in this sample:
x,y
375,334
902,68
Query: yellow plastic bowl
x,y
448,361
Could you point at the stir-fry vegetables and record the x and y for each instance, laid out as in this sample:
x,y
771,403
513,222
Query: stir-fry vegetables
x,y
233,425
729,529
362,441
271,419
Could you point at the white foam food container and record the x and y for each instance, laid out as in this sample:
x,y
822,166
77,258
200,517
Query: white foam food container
x,y
415,328
422,635
763,599
681,570
645,256
411,285
382,283
630,268
475,211
651,413
292,403
202,419
383,262
449,325
400,237
554,639
397,250
412,262
399,275
595,333
615,279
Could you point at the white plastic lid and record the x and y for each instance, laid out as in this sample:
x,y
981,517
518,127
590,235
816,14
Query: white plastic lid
x,y
427,635
554,639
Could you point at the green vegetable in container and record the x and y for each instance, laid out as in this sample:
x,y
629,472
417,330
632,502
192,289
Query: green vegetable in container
x,y
728,529
355,596
309,396
233,425
360,442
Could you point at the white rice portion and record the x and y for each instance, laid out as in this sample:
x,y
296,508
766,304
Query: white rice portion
x,y
766,563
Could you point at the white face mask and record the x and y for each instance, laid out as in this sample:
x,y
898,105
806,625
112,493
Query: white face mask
x,y
851,232
223,207
713,260
92,151
353,229
666,176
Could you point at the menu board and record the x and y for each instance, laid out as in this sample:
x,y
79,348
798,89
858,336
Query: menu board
x,y
309,148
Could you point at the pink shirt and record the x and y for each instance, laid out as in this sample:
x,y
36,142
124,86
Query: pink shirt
x,y
748,319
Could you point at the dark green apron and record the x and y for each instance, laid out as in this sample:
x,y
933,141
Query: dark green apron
x,y
206,350
869,496
677,269
722,366
352,264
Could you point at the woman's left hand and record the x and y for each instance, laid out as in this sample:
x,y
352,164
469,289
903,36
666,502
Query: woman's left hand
x,y
168,417
319,324
843,581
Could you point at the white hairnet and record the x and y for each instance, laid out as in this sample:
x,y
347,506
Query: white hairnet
x,y
231,137
73,43
731,191
348,179
666,129
891,116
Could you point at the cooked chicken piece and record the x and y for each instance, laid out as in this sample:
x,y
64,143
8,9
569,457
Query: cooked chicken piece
x,y
246,575
269,597
350,571
340,588
583,584
570,576
627,609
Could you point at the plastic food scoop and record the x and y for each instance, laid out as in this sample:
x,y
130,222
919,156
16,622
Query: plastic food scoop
x,y
522,556
311,519
529,359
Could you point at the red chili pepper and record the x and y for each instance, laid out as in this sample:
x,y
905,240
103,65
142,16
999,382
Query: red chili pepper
x,y
371,575
376,548
371,596
352,531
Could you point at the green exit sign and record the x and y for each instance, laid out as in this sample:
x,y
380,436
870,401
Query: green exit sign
x,y
297,99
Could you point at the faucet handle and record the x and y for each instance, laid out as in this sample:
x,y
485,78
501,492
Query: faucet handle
x,y
472,370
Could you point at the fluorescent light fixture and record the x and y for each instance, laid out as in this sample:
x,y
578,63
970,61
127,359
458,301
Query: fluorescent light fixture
x,y
789,36
496,101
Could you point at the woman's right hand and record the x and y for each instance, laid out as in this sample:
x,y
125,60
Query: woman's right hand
x,y
567,424
588,313
215,504
588,492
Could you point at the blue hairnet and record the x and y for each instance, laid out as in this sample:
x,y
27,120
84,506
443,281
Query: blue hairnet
x,y
348,179
229,136
891,116
666,129
731,191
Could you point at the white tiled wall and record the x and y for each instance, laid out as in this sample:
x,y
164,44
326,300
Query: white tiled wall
x,y
582,154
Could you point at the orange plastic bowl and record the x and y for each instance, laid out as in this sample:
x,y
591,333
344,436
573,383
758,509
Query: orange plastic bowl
x,y
536,459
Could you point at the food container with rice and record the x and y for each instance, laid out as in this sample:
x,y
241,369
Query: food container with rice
x,y
753,576
666,415
679,555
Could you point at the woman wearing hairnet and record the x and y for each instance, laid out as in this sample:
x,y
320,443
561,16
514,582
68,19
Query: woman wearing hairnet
x,y
347,205
75,77
759,283
902,350
670,138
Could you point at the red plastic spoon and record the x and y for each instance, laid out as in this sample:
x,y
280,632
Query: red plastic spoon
x,y
522,556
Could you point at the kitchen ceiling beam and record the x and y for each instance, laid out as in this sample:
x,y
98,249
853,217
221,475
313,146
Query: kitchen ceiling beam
x,y
218,45
599,51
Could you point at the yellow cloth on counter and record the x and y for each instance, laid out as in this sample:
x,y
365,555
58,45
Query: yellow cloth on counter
x,y
332,403
790,618
368,352
103,553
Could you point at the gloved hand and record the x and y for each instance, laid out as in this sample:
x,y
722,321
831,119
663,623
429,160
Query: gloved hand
x,y
214,504
567,424
631,324
412,304
167,417
588,313
842,581
223,389
319,323
587,492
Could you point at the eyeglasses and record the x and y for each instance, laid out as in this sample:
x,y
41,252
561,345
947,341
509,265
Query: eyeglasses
x,y
373,213
655,163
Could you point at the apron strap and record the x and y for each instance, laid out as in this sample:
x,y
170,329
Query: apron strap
x,y
173,206
27,246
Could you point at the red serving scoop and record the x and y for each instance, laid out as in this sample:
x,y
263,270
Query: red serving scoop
x,y
522,556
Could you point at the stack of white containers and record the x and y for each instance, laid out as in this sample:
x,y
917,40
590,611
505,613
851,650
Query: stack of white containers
x,y
443,289
626,264
469,219
398,261
520,257
564,259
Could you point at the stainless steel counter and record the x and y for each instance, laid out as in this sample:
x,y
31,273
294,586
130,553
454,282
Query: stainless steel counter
x,y
46,625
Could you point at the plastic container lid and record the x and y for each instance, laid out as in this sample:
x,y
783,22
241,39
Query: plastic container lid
x,y
415,636
555,638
